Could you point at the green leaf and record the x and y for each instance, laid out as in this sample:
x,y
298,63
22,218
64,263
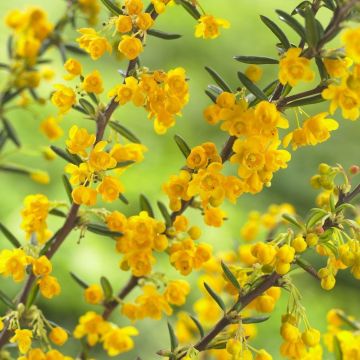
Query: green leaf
x,y
337,348
93,98
198,325
269,89
251,86
254,319
306,101
73,48
215,296
316,216
102,230
124,164
32,295
112,7
321,67
3,138
57,212
211,96
124,199
329,4
65,155
15,169
12,135
230,276
218,79
191,9
163,35
292,220
79,109
87,106
80,282
183,146
146,206
68,188
8,234
165,213
215,89
122,130
276,31
311,28
173,339
300,7
332,203
256,59
7,301
345,206
292,22
107,288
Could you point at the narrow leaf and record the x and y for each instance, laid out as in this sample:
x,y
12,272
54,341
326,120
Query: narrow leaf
x,y
87,106
312,30
215,89
68,188
191,9
107,288
276,31
306,101
256,59
337,348
79,109
11,168
11,132
32,296
230,276
251,86
163,35
124,199
102,230
124,163
145,205
80,282
8,234
292,22
64,155
215,296
73,48
112,7
292,220
211,96
198,325
6,300
164,213
254,319
173,339
183,146
218,79
122,130
57,212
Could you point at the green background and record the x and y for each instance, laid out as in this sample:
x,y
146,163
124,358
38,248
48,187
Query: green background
x,y
94,255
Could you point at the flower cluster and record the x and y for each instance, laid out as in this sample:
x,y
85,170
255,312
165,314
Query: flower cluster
x,y
114,339
152,303
162,94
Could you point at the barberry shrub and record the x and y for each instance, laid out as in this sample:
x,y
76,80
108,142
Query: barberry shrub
x,y
164,249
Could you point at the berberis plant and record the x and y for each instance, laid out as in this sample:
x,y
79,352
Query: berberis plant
x,y
237,287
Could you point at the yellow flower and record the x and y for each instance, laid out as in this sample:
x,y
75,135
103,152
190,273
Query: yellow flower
x,y
13,263
254,73
79,174
130,47
152,303
160,5
28,47
100,159
93,83
63,98
58,336
125,92
294,68
93,326
110,188
123,24
41,266
144,21
176,292
197,158
79,140
49,286
118,340
116,221
41,177
343,97
73,67
214,216
83,195
34,215
91,8
208,27
23,339
350,38
134,7
93,43
337,68
94,294
315,130
128,152
51,128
